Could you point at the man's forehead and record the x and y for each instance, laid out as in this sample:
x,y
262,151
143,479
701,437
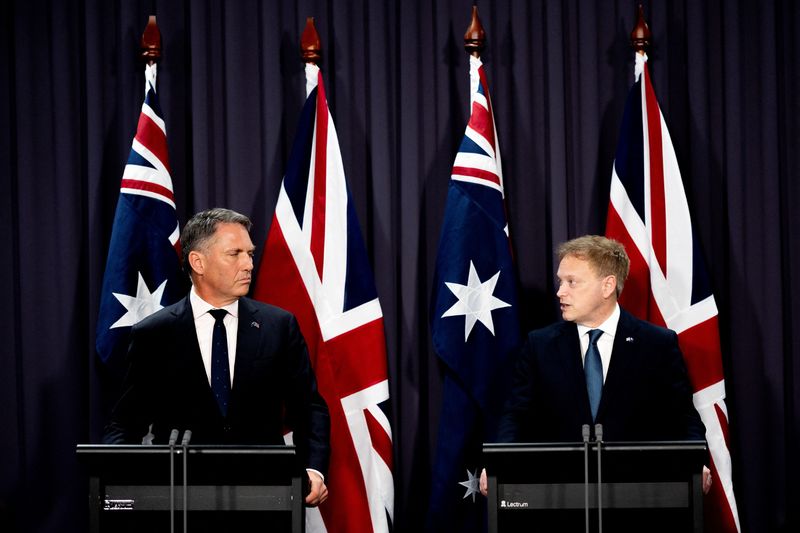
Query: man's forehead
x,y
574,263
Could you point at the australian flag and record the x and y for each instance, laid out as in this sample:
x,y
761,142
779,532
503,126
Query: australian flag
x,y
474,316
143,269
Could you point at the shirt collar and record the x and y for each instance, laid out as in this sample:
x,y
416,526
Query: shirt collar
x,y
609,327
201,307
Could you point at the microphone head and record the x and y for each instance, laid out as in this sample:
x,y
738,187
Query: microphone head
x,y
173,437
585,430
598,431
187,436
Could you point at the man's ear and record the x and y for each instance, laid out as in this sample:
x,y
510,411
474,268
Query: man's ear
x,y
609,286
196,262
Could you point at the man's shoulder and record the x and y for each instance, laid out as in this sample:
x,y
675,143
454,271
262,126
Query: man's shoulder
x,y
552,333
266,310
643,328
163,316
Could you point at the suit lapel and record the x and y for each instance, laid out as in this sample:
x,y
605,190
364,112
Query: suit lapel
x,y
575,378
248,340
622,356
196,378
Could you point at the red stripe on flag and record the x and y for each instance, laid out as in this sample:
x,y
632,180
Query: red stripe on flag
x,y
481,121
360,358
147,186
717,514
490,130
701,351
658,224
476,173
381,442
320,178
152,137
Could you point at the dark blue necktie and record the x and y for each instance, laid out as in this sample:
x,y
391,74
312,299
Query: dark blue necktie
x,y
220,369
593,367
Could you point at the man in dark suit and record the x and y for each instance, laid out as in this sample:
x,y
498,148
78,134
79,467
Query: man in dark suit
x,y
230,369
600,365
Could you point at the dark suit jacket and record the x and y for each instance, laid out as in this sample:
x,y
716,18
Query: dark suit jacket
x,y
646,395
273,383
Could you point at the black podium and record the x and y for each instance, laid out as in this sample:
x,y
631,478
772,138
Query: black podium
x,y
130,487
641,484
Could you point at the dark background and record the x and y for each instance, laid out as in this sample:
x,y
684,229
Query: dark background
x,y
231,87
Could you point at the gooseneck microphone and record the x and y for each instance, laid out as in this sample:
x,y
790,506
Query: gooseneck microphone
x,y
187,436
598,435
173,438
586,431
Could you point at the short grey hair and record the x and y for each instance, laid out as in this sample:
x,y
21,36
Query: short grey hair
x,y
607,256
201,227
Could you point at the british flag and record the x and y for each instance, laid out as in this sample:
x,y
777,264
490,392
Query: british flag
x,y
143,269
315,265
474,315
668,284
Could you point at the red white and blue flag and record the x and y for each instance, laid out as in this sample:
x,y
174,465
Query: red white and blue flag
x,y
143,269
315,265
474,316
668,284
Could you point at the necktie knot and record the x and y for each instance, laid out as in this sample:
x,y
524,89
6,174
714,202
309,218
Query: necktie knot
x,y
594,336
218,314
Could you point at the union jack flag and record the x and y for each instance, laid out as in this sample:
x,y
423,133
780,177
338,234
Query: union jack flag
x,y
668,284
474,282
143,269
315,265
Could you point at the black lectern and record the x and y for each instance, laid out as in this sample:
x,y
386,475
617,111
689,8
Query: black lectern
x,y
132,484
641,484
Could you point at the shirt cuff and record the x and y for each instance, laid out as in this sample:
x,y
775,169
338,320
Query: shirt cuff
x,y
316,472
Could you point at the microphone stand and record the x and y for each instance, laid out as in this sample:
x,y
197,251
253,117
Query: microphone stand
x,y
598,433
173,438
187,436
585,430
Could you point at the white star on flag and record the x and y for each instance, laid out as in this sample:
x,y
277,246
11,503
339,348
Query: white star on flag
x,y
140,306
472,484
476,301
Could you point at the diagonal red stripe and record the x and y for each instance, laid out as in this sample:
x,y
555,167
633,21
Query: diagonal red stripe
x,y
381,442
658,224
320,177
147,186
477,173
152,137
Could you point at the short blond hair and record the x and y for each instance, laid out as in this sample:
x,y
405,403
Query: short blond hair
x,y
606,256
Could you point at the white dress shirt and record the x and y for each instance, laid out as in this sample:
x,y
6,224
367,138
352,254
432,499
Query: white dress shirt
x,y
204,326
605,343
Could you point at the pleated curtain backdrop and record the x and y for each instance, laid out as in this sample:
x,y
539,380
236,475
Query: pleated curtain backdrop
x,y
231,89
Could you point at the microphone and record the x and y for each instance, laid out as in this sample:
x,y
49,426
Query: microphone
x,y
598,435
585,430
187,436
173,438
147,440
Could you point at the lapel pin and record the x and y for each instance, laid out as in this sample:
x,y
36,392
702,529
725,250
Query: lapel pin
x,y
255,324
628,339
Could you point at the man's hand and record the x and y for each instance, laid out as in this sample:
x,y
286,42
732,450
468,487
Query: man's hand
x,y
484,483
318,492
707,480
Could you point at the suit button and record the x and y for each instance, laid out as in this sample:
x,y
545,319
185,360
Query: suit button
x,y
226,429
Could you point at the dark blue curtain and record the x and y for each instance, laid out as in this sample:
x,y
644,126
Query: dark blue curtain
x,y
231,87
